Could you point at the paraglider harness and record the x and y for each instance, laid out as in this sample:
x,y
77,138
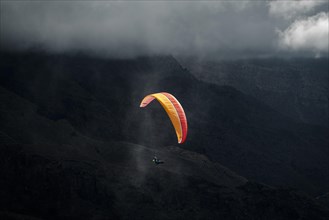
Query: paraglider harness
x,y
157,161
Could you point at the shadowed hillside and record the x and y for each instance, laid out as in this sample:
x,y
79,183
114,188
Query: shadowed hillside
x,y
296,87
67,106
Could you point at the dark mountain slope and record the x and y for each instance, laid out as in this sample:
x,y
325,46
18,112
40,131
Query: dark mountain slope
x,y
71,176
118,181
99,98
52,182
296,87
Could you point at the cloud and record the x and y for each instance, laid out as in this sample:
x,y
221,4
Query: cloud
x,y
125,29
308,34
293,8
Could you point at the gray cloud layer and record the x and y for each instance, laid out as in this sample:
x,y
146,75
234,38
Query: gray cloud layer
x,y
290,9
215,29
309,34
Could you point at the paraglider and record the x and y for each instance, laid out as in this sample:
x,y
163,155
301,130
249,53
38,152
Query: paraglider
x,y
157,161
174,110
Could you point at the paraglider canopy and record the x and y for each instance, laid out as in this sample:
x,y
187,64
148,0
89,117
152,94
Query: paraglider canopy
x,y
174,110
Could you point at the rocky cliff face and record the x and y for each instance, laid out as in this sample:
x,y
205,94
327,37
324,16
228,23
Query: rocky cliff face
x,y
67,125
297,88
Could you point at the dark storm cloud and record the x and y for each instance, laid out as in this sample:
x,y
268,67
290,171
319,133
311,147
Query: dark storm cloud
x,y
220,29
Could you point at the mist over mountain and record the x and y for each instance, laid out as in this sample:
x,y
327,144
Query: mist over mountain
x,y
206,29
73,136
252,77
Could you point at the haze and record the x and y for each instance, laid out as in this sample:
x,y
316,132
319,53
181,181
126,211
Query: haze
x,y
182,28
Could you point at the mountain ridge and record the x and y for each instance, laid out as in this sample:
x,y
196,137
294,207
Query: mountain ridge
x,y
295,87
99,99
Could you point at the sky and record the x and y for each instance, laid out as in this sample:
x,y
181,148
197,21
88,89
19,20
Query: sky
x,y
215,29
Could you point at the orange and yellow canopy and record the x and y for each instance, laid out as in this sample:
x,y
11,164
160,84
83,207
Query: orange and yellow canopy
x,y
174,110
